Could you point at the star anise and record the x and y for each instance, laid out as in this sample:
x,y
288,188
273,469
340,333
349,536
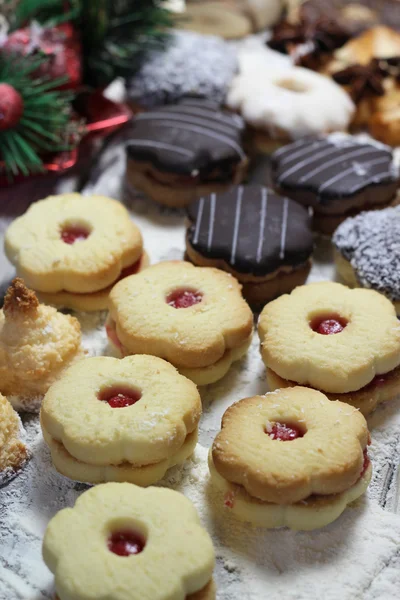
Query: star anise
x,y
363,80
390,67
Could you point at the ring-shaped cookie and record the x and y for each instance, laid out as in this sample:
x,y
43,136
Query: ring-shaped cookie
x,y
367,345
124,420
120,541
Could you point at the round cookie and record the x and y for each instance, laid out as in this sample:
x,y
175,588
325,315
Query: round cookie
x,y
262,239
284,104
37,344
120,420
192,64
119,541
367,253
72,249
343,342
337,176
290,458
180,152
193,317
215,18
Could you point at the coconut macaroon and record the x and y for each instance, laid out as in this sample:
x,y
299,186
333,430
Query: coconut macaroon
x,y
13,452
36,344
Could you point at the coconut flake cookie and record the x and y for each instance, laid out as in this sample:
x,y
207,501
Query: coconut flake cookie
x,y
343,342
122,542
286,104
193,317
191,64
290,458
37,344
73,249
180,152
120,420
337,176
367,252
263,239
13,452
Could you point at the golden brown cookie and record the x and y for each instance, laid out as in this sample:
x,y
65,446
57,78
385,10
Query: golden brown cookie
x,y
136,539
13,452
73,248
291,457
343,342
132,420
193,317
37,344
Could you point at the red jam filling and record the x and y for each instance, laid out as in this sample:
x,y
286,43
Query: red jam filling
x,y
130,269
284,433
73,234
125,543
120,398
365,463
328,325
184,298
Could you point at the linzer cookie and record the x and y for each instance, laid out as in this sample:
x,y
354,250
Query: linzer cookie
x,y
368,254
181,152
337,176
194,317
264,240
122,542
72,249
120,420
290,458
343,342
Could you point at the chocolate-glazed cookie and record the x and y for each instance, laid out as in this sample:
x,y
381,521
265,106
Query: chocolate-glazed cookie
x,y
263,239
337,175
185,150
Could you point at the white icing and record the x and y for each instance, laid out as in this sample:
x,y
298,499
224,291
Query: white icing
x,y
255,92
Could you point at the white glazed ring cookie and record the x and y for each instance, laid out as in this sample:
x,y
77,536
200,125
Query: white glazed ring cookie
x,y
343,342
123,542
194,317
286,104
73,248
291,458
120,420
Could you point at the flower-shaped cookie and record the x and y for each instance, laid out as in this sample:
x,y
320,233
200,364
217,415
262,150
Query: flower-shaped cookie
x,y
330,337
194,317
72,248
125,543
291,457
13,452
108,419
36,344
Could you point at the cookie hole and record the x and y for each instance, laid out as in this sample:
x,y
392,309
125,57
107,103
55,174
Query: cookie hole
x,y
126,542
74,232
120,397
183,298
292,85
328,324
284,432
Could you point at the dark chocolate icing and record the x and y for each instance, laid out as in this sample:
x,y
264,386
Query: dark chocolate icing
x,y
334,170
252,229
190,138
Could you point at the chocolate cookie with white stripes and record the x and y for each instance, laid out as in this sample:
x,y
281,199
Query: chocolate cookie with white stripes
x,y
261,238
183,151
338,176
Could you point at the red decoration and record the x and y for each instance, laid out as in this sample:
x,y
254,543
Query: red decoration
x,y
11,107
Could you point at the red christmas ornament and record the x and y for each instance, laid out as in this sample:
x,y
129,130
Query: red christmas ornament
x,y
11,107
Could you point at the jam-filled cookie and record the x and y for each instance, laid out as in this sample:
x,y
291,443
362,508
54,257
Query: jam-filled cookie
x,y
73,249
180,152
290,458
337,176
263,239
368,253
37,344
122,542
343,342
120,420
13,452
194,317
